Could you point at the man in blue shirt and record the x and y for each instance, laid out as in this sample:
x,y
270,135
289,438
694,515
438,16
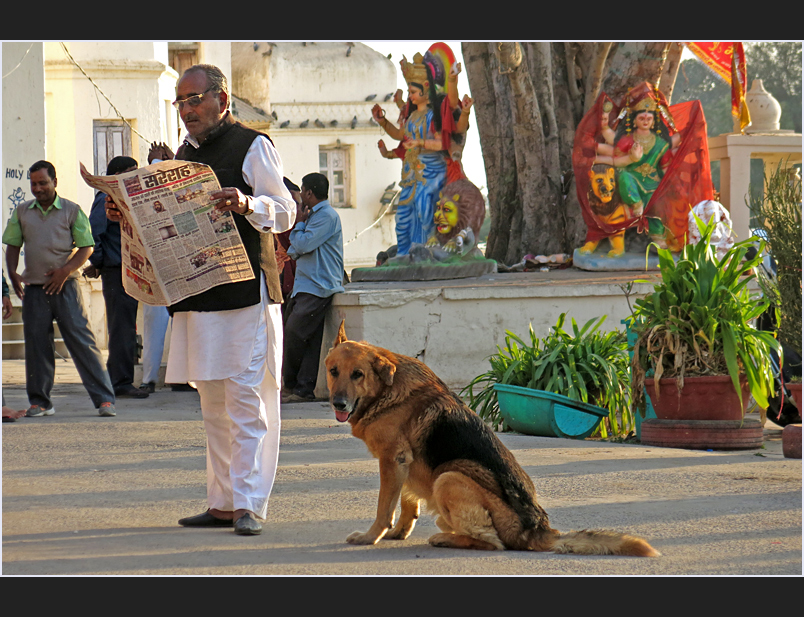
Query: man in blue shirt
x,y
121,309
316,243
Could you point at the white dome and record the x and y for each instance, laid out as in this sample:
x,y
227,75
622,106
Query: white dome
x,y
764,109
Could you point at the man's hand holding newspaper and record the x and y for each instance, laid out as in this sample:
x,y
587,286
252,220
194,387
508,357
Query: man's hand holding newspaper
x,y
179,236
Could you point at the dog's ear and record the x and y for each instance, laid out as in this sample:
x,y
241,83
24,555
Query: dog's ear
x,y
341,338
384,368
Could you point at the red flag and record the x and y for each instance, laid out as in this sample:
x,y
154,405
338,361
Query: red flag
x,y
727,60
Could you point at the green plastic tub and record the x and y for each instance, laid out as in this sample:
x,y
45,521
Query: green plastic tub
x,y
546,414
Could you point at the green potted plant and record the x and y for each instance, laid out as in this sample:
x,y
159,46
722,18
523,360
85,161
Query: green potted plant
x,y
695,331
587,367
777,212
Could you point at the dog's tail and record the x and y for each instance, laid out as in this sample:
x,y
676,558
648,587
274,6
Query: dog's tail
x,y
602,542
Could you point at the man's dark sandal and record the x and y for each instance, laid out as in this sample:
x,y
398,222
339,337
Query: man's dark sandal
x,y
205,520
247,525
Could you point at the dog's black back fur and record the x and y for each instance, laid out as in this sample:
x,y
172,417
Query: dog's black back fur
x,y
460,434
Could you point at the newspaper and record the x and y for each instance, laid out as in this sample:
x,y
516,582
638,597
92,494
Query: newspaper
x,y
174,243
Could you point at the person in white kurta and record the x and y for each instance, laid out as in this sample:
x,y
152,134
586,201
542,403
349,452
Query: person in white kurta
x,y
233,357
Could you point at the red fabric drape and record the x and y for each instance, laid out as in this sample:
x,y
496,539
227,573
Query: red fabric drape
x,y
448,124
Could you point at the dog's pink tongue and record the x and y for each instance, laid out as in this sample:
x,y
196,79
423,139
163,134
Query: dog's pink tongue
x,y
341,416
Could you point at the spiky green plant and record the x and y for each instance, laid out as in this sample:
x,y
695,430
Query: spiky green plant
x,y
586,365
778,213
698,321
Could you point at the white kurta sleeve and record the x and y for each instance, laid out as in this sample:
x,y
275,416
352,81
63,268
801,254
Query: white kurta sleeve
x,y
273,205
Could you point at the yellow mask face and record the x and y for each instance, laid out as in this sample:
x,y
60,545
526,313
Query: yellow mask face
x,y
446,214
602,184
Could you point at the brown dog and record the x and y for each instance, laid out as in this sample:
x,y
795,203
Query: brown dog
x,y
432,447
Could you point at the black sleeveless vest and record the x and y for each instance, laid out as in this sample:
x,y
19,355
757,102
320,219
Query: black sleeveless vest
x,y
224,151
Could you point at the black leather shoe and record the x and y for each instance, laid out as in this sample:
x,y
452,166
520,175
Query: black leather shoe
x,y
148,386
247,525
305,396
130,392
205,519
181,387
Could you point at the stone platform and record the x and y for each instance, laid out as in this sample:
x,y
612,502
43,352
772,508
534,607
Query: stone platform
x,y
426,271
455,325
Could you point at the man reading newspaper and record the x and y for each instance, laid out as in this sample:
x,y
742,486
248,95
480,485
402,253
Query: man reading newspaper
x,y
227,340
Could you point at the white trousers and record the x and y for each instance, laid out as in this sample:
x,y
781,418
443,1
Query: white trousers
x,y
242,422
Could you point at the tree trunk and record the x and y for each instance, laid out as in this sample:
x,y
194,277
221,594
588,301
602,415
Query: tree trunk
x,y
495,125
668,79
529,99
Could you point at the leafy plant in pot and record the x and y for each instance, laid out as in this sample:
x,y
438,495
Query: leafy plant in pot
x,y
586,365
777,212
697,326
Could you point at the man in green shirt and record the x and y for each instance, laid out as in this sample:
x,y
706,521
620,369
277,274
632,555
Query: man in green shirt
x,y
58,240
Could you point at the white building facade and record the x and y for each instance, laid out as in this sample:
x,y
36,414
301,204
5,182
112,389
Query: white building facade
x,y
323,124
86,102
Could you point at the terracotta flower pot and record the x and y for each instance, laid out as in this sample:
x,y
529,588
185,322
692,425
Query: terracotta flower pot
x,y
710,397
795,390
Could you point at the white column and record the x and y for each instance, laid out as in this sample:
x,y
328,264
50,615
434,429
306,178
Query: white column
x,y
739,181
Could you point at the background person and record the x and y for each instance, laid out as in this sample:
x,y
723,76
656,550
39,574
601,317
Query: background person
x,y
154,327
316,243
155,319
7,307
58,240
286,265
121,309
9,415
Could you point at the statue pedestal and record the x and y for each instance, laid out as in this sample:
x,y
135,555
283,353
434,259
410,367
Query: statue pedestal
x,y
453,326
599,261
425,271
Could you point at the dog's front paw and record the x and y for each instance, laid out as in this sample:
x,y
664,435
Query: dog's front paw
x,y
398,534
361,538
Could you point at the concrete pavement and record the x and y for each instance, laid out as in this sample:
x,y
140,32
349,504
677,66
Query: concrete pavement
x,y
85,495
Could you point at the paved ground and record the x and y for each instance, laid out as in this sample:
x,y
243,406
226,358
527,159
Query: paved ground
x,y
89,495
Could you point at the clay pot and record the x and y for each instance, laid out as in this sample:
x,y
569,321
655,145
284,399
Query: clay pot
x,y
703,434
795,390
710,397
791,441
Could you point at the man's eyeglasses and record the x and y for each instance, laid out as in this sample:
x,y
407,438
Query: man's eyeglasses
x,y
192,101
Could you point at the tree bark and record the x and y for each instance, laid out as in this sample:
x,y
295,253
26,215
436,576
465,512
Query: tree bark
x,y
668,79
529,99
632,63
495,125
534,151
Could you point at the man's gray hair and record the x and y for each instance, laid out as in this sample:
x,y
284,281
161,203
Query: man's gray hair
x,y
216,80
